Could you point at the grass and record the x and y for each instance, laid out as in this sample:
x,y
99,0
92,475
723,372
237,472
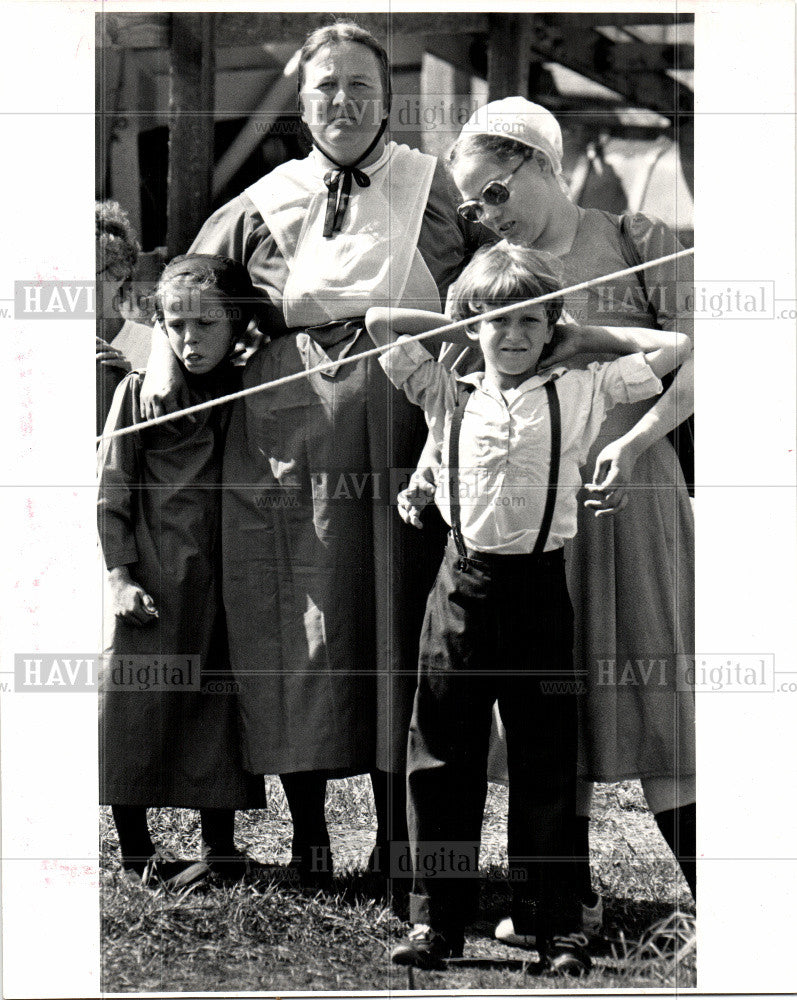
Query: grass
x,y
265,935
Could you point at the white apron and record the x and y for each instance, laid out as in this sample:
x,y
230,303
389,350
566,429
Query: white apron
x,y
374,260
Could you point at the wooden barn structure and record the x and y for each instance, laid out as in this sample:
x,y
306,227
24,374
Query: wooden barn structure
x,y
193,107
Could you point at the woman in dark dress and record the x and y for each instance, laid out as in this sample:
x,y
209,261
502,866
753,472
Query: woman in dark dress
x,y
324,587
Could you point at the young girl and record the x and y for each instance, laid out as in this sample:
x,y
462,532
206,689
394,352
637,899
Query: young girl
x,y
168,717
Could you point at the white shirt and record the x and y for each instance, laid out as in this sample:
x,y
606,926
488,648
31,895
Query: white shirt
x,y
505,441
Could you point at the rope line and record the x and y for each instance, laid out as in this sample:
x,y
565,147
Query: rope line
x,y
374,351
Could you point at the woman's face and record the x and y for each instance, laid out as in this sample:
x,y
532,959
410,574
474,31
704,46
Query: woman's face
x,y
343,102
526,215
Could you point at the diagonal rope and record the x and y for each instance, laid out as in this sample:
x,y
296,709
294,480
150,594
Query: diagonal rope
x,y
374,351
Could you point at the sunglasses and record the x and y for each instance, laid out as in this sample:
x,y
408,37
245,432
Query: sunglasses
x,y
493,193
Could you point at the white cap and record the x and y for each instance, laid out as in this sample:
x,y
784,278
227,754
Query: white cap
x,y
521,120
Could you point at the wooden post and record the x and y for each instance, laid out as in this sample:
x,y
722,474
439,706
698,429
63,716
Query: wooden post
x,y
508,56
191,118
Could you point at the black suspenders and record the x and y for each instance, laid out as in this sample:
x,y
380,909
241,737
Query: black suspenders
x,y
465,389
553,470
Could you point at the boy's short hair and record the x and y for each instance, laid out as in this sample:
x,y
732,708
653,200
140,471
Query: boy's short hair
x,y
212,272
504,273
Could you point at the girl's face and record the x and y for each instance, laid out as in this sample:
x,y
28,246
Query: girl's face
x,y
526,215
343,103
198,325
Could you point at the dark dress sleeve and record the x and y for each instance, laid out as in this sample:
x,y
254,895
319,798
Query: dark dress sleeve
x,y
237,230
120,476
669,286
447,241
109,376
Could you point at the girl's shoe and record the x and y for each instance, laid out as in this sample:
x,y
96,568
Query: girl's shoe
x,y
161,870
312,866
230,866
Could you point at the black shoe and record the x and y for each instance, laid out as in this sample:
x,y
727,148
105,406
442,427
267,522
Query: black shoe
x,y
164,871
230,865
425,948
312,866
566,955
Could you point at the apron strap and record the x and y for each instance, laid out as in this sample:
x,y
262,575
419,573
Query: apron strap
x,y
553,470
464,390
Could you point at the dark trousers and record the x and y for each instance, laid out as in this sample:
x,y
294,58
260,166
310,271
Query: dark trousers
x,y
496,627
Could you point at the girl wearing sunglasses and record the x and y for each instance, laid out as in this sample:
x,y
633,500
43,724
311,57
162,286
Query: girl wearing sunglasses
x,y
631,576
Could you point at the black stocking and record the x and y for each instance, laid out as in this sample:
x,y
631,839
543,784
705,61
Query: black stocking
x,y
306,792
678,829
390,802
218,829
583,875
135,844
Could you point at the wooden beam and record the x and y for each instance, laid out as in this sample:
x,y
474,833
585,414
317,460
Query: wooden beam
x,y
279,98
191,107
507,56
561,38
239,29
133,31
630,20
649,57
454,49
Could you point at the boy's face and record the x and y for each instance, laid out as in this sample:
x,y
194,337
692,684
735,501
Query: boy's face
x,y
512,345
198,326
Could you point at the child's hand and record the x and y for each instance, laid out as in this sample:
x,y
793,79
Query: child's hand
x,y
413,501
567,342
106,354
613,469
131,602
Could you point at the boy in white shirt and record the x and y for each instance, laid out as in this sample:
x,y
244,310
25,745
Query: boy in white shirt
x,y
499,624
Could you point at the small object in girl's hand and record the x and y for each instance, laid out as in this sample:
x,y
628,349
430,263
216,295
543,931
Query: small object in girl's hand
x,y
149,606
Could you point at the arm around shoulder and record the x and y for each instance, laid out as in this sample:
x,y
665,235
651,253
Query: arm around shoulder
x,y
675,350
385,324
164,389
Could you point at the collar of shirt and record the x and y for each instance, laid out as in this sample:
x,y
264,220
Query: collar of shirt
x,y
535,382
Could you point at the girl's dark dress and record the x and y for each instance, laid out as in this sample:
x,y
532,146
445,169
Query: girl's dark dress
x,y
159,513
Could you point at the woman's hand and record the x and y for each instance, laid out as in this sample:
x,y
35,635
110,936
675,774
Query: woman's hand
x,y
130,601
613,469
107,354
413,500
163,389
567,342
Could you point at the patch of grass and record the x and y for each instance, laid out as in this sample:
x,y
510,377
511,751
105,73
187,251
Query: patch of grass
x,y
265,935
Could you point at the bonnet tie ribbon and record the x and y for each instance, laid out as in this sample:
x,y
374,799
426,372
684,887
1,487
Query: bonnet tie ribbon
x,y
338,184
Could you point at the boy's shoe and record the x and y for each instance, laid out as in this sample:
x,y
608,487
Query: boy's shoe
x,y
592,918
591,926
425,948
566,955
